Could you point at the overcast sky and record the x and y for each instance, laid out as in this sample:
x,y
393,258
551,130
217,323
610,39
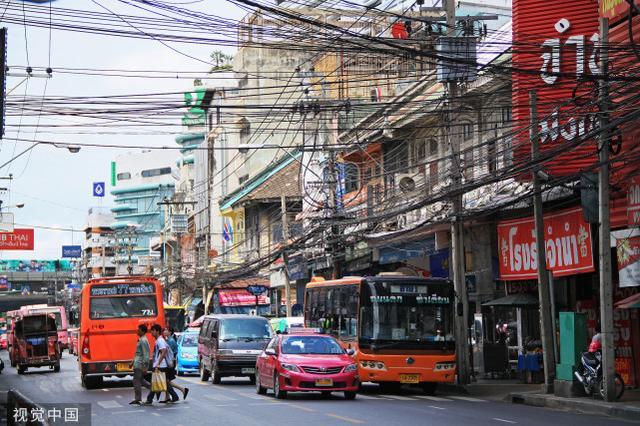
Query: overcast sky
x,y
54,184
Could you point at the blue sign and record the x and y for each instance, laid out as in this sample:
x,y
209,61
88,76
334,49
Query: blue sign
x,y
403,251
98,189
439,264
71,251
256,289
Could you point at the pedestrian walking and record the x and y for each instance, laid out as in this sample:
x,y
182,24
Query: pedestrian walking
x,y
170,337
140,364
162,362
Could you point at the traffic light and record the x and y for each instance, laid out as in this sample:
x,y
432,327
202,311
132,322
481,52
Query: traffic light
x,y
3,77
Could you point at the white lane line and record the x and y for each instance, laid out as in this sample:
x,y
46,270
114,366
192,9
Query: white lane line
x,y
433,398
437,408
105,390
218,397
365,396
503,420
398,397
109,404
125,412
466,398
156,414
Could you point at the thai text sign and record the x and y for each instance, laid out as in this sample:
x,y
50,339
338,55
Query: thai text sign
x,y
633,202
556,48
19,239
567,243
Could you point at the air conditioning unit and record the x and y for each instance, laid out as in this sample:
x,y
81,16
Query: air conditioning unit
x,y
409,183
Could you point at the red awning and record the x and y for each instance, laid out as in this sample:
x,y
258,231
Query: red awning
x,y
629,303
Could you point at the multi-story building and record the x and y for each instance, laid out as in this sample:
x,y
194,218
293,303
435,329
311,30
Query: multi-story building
x,y
99,250
140,182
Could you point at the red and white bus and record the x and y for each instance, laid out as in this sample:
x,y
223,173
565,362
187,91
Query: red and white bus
x,y
110,311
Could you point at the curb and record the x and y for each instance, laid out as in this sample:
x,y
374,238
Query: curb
x,y
586,406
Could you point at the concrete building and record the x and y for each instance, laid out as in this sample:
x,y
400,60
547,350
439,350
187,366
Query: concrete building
x,y
99,251
140,181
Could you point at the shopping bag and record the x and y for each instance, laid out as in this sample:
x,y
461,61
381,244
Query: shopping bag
x,y
158,382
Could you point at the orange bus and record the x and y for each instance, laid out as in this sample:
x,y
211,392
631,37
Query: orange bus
x,y
401,327
110,311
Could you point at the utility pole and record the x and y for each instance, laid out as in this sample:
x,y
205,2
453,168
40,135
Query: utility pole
x,y
285,260
604,249
546,320
457,228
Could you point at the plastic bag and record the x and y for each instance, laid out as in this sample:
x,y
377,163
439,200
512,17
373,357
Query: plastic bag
x,y
158,382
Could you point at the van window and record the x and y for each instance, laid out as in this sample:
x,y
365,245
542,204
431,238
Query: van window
x,y
245,328
204,328
213,326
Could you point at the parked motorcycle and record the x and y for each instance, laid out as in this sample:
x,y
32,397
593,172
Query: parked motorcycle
x,y
589,374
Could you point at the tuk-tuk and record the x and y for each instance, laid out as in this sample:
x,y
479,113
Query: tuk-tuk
x,y
35,342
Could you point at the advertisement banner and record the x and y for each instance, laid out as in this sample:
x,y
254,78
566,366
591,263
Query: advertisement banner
x,y
567,242
633,202
19,239
240,297
7,265
628,253
555,51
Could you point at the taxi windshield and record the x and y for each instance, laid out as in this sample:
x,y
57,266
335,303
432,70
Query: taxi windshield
x,y
318,345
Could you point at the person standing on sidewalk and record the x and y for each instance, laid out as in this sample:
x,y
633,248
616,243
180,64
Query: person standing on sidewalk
x,y
162,362
140,364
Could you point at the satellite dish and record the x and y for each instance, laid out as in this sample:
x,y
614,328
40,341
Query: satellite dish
x,y
407,184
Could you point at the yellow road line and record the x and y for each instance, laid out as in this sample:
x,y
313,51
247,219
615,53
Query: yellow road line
x,y
346,419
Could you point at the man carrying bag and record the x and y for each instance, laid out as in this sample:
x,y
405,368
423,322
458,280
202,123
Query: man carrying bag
x,y
161,367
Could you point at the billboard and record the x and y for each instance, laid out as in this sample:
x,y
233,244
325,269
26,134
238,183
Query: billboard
x,y
568,246
72,251
34,265
19,239
556,54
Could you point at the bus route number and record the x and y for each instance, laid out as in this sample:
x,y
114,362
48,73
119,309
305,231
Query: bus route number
x,y
147,312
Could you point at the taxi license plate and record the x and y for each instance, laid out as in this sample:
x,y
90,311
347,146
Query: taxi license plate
x,y
324,382
123,366
410,378
248,371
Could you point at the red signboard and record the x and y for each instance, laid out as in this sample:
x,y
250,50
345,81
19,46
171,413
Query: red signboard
x,y
633,202
555,53
240,297
615,9
567,242
19,239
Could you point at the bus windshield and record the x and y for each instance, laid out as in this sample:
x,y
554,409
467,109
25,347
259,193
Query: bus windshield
x,y
122,307
397,312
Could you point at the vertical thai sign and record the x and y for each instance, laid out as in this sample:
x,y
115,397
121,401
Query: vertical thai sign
x,y
555,52
633,202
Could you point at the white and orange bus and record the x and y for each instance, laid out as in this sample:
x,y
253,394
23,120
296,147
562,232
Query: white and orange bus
x,y
110,311
401,327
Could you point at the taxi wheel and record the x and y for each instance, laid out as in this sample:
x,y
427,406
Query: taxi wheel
x,y
204,374
259,389
277,392
180,373
349,395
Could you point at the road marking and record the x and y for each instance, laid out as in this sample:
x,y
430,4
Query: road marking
x,y
265,403
156,414
437,408
302,407
503,420
218,397
346,419
433,398
105,390
125,412
109,404
466,398
398,397
365,396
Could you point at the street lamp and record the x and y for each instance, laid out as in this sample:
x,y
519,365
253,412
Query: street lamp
x,y
72,148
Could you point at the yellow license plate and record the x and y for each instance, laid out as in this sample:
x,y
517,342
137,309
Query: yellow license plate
x,y
324,382
410,378
123,366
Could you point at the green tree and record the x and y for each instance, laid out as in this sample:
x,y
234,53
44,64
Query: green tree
x,y
221,61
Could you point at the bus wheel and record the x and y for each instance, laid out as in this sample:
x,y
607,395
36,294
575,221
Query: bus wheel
x,y
390,387
429,388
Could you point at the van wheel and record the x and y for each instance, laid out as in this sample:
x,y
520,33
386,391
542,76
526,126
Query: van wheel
x,y
204,374
215,376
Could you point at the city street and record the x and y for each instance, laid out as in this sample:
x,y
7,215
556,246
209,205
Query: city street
x,y
235,402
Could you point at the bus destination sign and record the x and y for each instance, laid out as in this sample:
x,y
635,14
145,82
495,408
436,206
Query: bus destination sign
x,y
122,289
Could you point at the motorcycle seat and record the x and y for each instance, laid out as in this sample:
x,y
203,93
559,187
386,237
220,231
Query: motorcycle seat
x,y
590,359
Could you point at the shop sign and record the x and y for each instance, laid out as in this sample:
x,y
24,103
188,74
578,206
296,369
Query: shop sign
x,y
633,202
567,242
628,253
517,287
400,252
613,9
297,268
624,368
557,51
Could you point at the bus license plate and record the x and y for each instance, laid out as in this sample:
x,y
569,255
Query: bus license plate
x,y
248,371
123,366
410,378
324,382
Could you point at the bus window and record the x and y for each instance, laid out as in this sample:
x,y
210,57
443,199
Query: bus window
x,y
122,307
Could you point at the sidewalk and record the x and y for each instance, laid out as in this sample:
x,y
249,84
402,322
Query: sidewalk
x,y
627,408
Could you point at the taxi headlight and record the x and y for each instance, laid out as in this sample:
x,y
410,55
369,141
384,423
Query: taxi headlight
x,y
289,367
351,368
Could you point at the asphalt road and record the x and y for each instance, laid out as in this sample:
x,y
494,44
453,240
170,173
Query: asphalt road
x,y
234,402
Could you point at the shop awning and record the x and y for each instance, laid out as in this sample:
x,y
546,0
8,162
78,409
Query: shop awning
x,y
514,300
629,303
